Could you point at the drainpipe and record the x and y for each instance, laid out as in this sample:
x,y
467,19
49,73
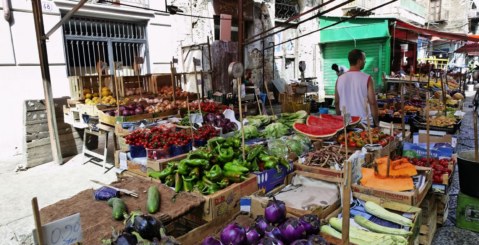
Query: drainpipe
x,y
7,12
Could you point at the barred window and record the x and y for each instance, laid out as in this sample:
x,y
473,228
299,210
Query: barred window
x,y
89,41
285,9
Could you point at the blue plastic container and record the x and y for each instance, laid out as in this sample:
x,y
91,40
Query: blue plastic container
x,y
324,110
199,143
137,151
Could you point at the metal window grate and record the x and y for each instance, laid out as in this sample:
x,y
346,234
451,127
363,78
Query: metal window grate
x,y
285,9
88,41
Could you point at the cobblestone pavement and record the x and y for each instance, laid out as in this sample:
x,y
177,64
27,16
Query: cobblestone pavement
x,y
449,233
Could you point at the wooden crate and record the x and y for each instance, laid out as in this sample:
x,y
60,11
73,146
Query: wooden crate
x,y
80,83
131,82
427,230
442,208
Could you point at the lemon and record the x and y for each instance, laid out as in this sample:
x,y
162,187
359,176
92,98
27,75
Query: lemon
x,y
88,96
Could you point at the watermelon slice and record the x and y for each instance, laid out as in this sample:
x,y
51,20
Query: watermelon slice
x,y
314,131
324,122
354,119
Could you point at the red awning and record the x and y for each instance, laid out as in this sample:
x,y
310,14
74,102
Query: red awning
x,y
470,48
433,33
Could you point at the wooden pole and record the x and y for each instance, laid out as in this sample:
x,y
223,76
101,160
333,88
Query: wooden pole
x,y
366,107
444,99
115,80
173,83
256,92
38,222
428,140
238,81
403,113
196,83
476,144
46,81
189,120
346,201
269,100
345,131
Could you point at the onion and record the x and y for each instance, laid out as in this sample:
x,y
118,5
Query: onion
x,y
138,110
220,116
210,117
125,113
317,240
275,211
233,234
252,235
270,241
311,223
211,241
261,224
273,232
292,230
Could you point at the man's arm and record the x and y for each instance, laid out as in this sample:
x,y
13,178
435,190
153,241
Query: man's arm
x,y
336,100
373,104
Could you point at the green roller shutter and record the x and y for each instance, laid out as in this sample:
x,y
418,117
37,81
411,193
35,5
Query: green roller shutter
x,y
369,34
377,60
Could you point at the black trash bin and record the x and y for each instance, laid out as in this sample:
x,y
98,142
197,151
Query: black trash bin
x,y
468,173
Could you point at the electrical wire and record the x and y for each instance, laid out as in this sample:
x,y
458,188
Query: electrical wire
x,y
300,22
336,23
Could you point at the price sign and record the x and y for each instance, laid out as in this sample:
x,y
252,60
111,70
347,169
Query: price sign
x,y
62,232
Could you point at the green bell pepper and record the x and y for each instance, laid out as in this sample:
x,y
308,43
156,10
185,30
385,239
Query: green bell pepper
x,y
285,163
178,182
224,183
195,172
211,189
214,142
235,177
215,173
225,155
254,153
195,162
183,168
160,174
199,154
270,164
232,167
170,180
187,184
199,186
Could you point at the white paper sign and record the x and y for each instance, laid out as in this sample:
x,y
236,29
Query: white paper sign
x,y
196,118
123,165
62,232
48,6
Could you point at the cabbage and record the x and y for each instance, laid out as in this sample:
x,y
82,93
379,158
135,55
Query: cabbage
x,y
250,132
277,148
275,130
295,146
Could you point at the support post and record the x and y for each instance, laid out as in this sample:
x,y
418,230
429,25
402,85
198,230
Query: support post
x,y
47,84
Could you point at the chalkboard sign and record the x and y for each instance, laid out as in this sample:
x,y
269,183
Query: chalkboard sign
x,y
64,231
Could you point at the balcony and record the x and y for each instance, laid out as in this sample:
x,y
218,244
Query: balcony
x,y
473,13
406,10
138,3
359,7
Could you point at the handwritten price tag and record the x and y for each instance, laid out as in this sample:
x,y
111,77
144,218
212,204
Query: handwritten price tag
x,y
63,231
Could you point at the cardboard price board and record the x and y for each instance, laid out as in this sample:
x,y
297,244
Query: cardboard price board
x,y
63,231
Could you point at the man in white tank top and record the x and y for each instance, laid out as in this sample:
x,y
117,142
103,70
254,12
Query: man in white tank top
x,y
354,88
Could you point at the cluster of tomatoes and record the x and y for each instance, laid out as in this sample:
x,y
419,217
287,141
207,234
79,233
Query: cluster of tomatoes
x,y
208,106
160,137
205,132
359,139
440,167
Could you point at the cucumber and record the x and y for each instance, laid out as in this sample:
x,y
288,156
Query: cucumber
x,y
119,208
153,201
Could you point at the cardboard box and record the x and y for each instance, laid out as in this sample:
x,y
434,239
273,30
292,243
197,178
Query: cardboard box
x,y
122,162
467,212
413,198
333,174
271,178
434,137
228,200
322,212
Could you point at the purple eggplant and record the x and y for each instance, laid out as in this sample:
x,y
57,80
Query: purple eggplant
x,y
211,241
275,211
233,234
311,223
270,241
292,230
317,240
261,224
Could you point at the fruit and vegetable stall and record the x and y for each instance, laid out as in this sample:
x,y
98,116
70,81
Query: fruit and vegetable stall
x,y
196,171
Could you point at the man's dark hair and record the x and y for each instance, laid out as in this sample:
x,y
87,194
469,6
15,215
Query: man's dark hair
x,y
355,55
335,67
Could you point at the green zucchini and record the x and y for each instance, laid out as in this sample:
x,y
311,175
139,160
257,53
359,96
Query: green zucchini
x,y
153,201
360,220
382,213
371,237
118,208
